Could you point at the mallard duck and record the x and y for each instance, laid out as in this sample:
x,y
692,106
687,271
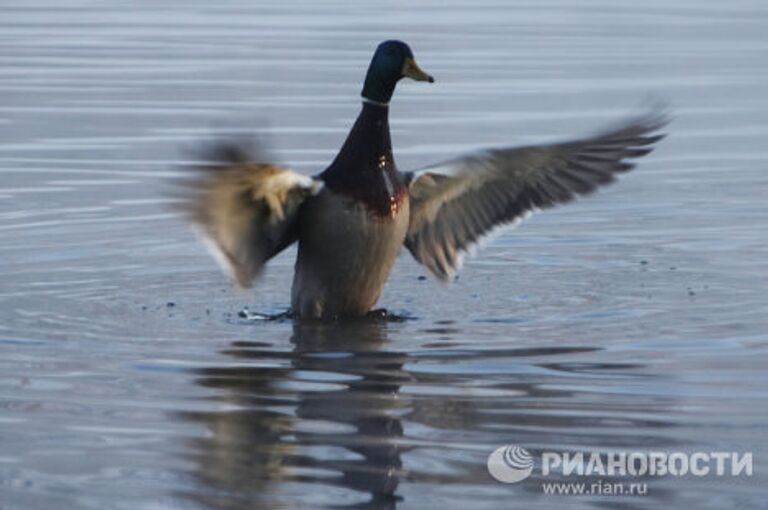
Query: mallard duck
x,y
351,220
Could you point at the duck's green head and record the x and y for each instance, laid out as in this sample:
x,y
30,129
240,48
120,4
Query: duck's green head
x,y
392,61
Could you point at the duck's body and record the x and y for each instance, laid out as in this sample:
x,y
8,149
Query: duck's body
x,y
351,232
352,220
345,255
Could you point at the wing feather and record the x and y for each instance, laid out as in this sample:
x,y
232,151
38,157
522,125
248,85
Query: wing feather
x,y
245,211
455,203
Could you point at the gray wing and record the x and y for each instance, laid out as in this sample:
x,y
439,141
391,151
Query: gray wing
x,y
244,211
455,203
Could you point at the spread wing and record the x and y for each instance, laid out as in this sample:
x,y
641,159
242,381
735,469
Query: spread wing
x,y
244,210
455,203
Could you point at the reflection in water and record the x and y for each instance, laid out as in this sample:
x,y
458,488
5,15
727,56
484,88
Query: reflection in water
x,y
326,419
370,402
328,413
244,454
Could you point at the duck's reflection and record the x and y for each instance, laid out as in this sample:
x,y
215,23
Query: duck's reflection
x,y
319,423
328,412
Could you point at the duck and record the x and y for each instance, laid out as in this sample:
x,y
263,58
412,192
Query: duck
x,y
351,220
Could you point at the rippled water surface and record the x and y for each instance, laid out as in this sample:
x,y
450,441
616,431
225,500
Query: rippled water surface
x,y
634,320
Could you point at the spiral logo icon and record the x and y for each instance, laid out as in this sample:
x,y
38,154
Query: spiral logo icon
x,y
510,464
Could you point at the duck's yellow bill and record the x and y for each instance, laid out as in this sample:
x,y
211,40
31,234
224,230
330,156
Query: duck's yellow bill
x,y
412,70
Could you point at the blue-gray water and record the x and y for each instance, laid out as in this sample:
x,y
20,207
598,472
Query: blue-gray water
x,y
636,319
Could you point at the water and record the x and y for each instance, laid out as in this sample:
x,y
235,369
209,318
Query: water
x,y
635,320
